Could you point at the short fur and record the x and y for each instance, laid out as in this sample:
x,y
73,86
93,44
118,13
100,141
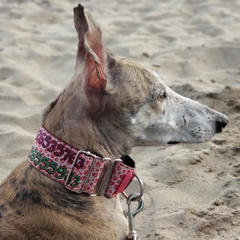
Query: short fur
x,y
110,106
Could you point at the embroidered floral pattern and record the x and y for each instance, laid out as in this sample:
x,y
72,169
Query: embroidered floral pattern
x,y
117,184
54,158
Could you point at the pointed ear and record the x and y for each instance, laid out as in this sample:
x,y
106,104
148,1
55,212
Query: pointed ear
x,y
81,27
90,49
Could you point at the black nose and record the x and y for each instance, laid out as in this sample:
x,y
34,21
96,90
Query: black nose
x,y
220,124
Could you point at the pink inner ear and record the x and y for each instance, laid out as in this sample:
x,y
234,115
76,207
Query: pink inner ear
x,y
95,81
94,40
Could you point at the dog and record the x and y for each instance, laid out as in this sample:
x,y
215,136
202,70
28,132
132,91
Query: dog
x,y
110,106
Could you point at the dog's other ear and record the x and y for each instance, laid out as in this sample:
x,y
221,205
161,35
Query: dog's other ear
x,y
90,50
81,27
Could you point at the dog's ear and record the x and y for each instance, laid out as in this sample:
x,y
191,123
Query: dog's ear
x,y
91,51
81,27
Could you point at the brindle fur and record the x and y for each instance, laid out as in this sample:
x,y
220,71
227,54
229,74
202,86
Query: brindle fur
x,y
110,106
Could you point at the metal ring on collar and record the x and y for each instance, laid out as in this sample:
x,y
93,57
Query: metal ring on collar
x,y
138,195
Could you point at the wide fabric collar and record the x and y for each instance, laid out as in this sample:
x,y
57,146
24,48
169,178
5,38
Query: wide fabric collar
x,y
79,171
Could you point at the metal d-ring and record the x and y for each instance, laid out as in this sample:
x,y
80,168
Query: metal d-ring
x,y
138,196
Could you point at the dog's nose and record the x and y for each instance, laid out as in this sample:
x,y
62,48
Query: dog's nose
x,y
222,123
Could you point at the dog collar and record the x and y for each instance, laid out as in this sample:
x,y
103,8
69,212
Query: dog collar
x,y
79,171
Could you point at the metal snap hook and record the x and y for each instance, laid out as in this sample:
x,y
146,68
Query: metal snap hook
x,y
130,214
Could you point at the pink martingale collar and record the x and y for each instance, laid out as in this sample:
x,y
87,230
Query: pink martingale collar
x,y
77,170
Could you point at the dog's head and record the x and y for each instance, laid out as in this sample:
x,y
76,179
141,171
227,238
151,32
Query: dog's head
x,y
124,102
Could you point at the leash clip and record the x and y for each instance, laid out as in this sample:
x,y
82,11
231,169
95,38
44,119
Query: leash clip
x,y
130,214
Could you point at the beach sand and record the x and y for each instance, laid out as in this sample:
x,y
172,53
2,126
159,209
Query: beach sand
x,y
192,191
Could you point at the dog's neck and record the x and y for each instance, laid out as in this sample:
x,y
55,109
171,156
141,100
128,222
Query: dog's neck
x,y
81,131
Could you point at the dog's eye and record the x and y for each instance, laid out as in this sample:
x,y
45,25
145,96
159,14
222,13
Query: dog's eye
x,y
162,96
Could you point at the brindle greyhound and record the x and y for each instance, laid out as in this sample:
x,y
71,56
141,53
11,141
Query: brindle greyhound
x,y
110,106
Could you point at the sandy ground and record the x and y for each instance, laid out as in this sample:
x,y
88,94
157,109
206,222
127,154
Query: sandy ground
x,y
191,191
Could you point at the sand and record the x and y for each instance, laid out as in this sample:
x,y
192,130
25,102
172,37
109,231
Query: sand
x,y
191,191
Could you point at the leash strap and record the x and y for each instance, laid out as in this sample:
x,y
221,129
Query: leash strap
x,y
77,170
